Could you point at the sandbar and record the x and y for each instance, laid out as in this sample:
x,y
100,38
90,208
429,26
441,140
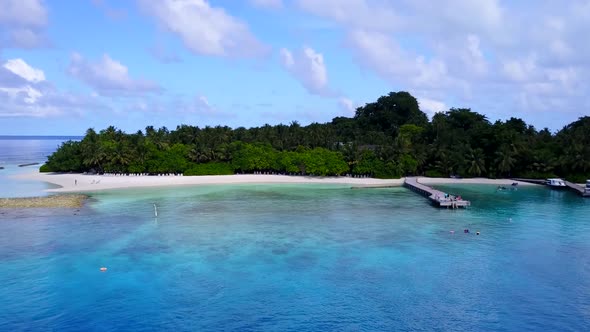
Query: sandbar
x,y
54,201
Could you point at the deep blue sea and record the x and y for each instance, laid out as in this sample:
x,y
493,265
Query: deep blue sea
x,y
298,258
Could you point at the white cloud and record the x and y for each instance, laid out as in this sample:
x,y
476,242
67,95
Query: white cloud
x,y
309,68
21,68
198,105
383,54
26,38
287,58
520,70
11,109
178,106
18,90
202,104
144,105
498,57
347,106
273,4
452,17
46,103
431,106
25,92
355,14
22,22
109,76
23,13
383,34
204,29
474,58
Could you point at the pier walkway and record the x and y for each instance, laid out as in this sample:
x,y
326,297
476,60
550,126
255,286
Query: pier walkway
x,y
534,181
577,188
437,197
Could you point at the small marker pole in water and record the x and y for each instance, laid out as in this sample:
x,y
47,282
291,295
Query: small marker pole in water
x,y
155,210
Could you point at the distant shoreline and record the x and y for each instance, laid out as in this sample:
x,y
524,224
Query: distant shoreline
x,y
72,183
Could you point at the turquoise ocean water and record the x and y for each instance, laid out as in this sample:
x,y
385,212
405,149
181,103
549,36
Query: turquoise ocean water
x,y
298,258
19,150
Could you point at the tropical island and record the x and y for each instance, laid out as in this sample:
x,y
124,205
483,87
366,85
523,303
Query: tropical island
x,y
388,139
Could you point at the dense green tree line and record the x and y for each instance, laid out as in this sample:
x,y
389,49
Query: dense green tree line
x,y
389,138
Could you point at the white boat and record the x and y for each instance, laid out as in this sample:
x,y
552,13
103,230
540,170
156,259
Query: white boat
x,y
555,183
587,189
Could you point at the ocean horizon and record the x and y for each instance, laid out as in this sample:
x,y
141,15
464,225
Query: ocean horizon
x,y
41,137
313,257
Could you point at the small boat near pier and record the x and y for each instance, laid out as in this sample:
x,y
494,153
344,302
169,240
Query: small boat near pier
x,y
555,183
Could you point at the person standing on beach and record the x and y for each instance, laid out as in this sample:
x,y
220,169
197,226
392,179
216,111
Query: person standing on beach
x,y
75,182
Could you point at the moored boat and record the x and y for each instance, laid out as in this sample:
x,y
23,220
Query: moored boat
x,y
556,183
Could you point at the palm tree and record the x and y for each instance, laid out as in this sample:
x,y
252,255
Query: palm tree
x,y
504,159
476,162
90,148
351,154
121,155
158,137
578,157
199,154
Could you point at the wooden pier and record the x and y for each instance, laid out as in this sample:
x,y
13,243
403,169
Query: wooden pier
x,y
570,186
437,197
577,188
533,181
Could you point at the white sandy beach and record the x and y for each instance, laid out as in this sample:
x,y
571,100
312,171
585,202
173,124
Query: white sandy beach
x,y
89,183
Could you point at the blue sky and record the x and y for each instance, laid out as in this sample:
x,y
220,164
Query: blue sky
x,y
66,66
